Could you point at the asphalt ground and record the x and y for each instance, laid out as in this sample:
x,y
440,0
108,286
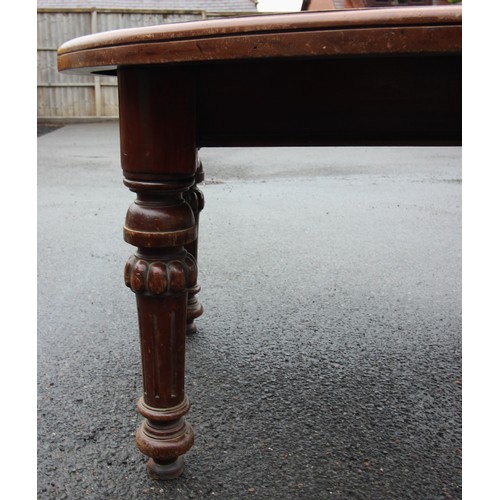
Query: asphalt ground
x,y
328,359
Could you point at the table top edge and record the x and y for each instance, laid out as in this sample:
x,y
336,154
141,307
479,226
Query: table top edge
x,y
269,23
80,53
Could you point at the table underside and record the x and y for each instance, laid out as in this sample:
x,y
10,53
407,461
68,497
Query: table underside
x,y
355,101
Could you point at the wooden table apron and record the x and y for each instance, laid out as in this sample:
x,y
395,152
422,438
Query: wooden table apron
x,y
330,87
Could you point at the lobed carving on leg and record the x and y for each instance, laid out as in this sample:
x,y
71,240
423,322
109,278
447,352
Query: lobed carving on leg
x,y
159,277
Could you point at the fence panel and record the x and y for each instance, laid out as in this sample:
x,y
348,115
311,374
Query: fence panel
x,y
63,96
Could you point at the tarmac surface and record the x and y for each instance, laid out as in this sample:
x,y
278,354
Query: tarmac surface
x,y
327,364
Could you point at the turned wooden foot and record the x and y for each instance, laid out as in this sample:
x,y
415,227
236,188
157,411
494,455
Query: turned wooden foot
x,y
169,469
164,441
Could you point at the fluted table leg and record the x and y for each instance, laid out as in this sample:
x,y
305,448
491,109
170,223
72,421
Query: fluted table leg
x,y
160,273
158,156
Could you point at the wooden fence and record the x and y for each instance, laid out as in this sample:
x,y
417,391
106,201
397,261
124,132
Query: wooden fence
x,y
64,97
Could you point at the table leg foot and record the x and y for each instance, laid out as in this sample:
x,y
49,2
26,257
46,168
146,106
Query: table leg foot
x,y
165,443
163,471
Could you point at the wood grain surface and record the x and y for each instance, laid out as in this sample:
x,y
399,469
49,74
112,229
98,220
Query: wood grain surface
x,y
420,30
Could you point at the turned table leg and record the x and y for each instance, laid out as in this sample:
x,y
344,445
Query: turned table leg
x,y
160,273
158,157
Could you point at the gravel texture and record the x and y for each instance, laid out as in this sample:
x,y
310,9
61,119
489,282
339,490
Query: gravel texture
x,y
328,360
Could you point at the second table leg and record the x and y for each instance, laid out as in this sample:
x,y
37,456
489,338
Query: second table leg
x,y
195,199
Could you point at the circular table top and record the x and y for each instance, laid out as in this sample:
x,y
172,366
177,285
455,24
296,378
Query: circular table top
x,y
359,32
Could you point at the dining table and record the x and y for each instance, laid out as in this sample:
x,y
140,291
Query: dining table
x,y
361,77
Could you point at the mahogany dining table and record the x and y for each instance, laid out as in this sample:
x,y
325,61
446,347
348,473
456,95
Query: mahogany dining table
x,y
364,77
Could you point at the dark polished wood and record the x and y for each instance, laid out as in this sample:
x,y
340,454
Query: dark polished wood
x,y
158,151
364,77
372,32
342,102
